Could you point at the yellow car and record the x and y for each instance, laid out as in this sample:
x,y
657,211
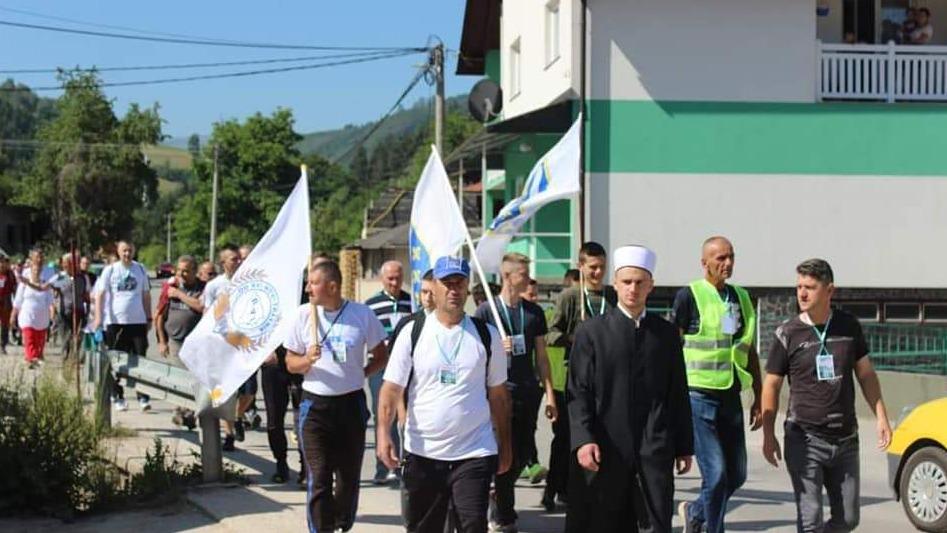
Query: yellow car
x,y
917,465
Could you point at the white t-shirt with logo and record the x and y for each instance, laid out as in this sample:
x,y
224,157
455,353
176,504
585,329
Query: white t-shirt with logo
x,y
348,335
125,288
213,289
448,412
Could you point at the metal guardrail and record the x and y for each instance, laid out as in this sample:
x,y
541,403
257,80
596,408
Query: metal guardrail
x,y
160,380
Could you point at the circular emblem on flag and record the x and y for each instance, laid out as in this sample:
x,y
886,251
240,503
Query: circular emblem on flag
x,y
249,312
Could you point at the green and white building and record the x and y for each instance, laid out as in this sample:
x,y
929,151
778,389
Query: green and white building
x,y
745,118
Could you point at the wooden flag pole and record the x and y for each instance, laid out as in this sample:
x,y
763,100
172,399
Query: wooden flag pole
x,y
486,286
314,314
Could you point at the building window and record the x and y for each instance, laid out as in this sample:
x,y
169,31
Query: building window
x,y
863,311
935,312
552,31
516,64
902,312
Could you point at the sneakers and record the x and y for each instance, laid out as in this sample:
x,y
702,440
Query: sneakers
x,y
228,444
256,421
239,432
495,527
282,473
120,405
381,478
144,405
549,500
690,525
537,473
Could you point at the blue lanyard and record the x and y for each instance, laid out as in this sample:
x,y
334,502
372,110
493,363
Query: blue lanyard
x,y
334,320
449,359
506,315
823,335
588,302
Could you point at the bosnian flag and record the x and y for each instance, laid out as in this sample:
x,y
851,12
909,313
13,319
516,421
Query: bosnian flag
x,y
254,314
437,226
554,177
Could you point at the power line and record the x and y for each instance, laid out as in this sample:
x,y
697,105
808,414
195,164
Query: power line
x,y
201,42
219,76
186,65
105,26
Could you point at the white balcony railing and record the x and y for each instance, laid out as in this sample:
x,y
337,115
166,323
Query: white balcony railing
x,y
886,72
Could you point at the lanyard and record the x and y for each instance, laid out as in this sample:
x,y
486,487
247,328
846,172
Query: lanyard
x,y
509,321
449,359
822,335
334,320
394,302
588,302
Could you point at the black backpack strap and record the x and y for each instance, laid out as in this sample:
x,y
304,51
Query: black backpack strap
x,y
416,327
484,332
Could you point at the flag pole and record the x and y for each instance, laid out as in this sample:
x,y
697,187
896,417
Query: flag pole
x,y
486,286
314,315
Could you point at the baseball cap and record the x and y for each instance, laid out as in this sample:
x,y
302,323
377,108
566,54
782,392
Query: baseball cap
x,y
451,266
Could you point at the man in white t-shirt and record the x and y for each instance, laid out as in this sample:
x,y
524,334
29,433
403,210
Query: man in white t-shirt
x,y
333,414
457,429
126,300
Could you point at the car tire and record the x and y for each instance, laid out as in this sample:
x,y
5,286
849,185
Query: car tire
x,y
923,489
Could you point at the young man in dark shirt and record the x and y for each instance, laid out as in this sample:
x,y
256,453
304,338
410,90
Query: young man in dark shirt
x,y
822,351
525,325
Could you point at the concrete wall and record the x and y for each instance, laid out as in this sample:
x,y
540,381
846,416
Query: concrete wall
x,y
876,231
542,82
724,50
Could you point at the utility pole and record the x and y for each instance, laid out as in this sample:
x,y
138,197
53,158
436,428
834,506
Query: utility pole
x,y
437,60
168,251
213,211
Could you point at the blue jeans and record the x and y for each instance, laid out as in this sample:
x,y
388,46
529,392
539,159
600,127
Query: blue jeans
x,y
720,446
374,384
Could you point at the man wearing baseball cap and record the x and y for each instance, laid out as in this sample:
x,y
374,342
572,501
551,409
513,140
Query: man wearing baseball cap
x,y
450,369
630,418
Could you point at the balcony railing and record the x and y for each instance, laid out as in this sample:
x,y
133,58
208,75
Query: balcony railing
x,y
889,72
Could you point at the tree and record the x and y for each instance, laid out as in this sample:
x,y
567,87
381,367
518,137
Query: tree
x,y
258,166
194,145
22,113
90,174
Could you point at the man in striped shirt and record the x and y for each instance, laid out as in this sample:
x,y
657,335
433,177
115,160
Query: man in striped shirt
x,y
389,305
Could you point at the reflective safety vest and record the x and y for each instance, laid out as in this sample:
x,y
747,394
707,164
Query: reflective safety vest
x,y
710,355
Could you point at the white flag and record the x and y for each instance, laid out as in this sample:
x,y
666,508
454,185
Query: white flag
x,y
253,315
437,225
554,177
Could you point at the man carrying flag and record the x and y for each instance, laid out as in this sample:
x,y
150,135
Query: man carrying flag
x,y
330,349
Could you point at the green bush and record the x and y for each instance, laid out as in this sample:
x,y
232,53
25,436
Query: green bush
x,y
50,452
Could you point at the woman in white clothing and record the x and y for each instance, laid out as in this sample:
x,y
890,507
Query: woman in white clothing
x,y
33,308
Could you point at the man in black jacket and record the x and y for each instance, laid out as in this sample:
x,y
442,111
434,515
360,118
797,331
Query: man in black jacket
x,y
630,417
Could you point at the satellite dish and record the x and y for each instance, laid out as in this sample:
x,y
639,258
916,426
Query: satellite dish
x,y
485,100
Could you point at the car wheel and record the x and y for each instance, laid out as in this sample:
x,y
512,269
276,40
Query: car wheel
x,y
923,489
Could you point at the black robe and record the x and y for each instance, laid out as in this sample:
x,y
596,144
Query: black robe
x,y
627,392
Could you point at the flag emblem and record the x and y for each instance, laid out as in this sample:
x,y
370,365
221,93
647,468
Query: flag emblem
x,y
248,313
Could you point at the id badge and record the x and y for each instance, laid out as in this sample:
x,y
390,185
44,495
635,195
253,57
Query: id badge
x,y
728,324
339,349
825,367
448,375
519,344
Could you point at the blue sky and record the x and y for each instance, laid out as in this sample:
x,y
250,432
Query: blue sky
x,y
320,99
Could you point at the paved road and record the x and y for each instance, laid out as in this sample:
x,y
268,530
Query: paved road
x,y
764,504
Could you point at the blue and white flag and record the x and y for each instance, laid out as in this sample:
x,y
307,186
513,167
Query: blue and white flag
x,y
437,225
554,177
254,314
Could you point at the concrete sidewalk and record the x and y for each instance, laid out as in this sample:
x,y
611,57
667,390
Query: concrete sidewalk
x,y
764,504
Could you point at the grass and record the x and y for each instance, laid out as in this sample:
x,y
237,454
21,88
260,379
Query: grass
x,y
161,156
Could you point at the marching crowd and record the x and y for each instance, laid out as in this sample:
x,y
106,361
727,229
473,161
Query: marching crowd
x,y
456,397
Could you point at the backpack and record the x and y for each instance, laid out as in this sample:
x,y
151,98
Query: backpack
x,y
482,331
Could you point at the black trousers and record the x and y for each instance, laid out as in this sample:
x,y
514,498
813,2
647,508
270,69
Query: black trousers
x,y
619,498
526,401
557,481
279,389
332,438
428,485
130,338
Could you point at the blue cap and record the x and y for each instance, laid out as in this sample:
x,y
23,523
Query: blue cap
x,y
451,266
